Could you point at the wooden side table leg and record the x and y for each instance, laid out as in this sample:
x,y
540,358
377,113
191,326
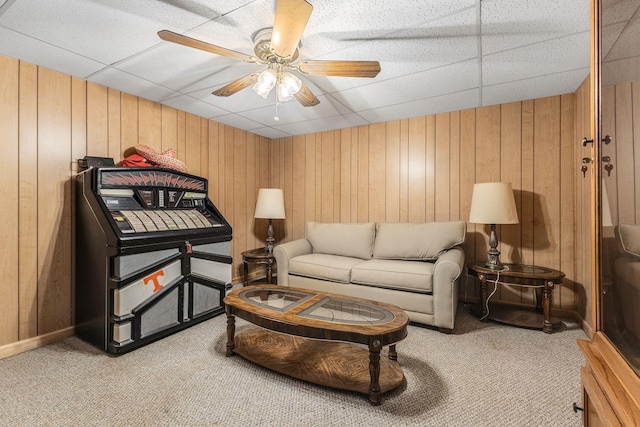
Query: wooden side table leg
x,y
393,354
231,332
269,271
374,372
245,271
547,326
483,289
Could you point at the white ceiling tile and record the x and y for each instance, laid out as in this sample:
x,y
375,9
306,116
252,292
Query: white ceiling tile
x,y
616,11
131,84
106,31
194,106
41,53
293,111
540,59
508,24
270,132
535,87
237,121
321,125
438,104
425,84
621,71
627,43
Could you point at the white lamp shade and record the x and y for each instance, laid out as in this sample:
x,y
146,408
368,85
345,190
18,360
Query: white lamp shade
x,y
270,204
493,203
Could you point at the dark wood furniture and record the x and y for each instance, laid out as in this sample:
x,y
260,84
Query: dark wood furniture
x,y
542,279
290,316
258,256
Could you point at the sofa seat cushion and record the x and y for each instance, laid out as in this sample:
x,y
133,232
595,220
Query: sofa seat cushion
x,y
415,276
323,266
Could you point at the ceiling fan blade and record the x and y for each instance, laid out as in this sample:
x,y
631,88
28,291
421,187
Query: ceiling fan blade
x,y
170,36
340,68
291,20
237,85
305,97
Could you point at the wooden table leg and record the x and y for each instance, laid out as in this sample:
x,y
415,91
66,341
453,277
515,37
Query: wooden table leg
x,y
374,372
547,293
483,290
393,354
231,332
245,270
269,271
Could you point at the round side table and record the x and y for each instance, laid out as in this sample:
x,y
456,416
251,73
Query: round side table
x,y
542,279
258,256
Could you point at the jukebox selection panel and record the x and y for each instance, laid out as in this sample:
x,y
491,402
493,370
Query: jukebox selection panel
x,y
142,201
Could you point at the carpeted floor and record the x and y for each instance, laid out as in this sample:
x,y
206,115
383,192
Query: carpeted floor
x,y
484,374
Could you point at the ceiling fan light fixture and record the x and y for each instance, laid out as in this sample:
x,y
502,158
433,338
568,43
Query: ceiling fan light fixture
x,y
266,81
290,83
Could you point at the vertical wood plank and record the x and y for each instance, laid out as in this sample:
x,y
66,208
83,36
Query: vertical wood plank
x,y
564,297
429,169
326,166
54,198
114,122
345,175
377,173
169,130
392,172
192,143
150,124
467,180
417,162
454,166
78,119
298,199
404,170
128,123
441,168
97,120
9,225
510,167
28,197
363,174
214,160
527,198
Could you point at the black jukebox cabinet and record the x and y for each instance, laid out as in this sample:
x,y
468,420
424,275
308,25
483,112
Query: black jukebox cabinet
x,y
153,255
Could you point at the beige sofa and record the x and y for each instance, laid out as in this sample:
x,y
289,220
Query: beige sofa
x,y
413,266
627,276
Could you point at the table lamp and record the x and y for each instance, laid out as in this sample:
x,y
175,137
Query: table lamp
x,y
493,203
270,205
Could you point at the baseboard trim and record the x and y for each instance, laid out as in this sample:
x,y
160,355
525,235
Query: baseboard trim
x,y
35,342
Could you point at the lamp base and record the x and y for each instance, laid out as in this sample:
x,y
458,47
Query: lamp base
x,y
270,238
493,261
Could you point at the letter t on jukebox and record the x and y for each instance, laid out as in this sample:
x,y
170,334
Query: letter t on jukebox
x,y
153,255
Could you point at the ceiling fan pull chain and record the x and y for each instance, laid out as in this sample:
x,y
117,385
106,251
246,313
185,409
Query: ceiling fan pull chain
x,y
276,118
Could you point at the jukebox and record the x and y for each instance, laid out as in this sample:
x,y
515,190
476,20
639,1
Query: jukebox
x,y
153,255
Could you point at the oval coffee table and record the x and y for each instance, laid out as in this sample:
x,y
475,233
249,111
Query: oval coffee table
x,y
313,336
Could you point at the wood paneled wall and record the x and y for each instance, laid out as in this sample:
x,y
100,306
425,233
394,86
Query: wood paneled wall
x,y
412,170
48,120
423,169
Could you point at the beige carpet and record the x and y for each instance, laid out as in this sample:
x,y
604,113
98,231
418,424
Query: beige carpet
x,y
484,374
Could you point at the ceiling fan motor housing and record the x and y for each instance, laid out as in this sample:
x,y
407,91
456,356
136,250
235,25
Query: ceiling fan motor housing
x,y
262,48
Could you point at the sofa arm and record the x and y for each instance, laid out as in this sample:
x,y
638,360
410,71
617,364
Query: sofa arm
x,y
448,268
284,252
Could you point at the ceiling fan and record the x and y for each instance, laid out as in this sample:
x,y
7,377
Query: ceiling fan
x,y
277,48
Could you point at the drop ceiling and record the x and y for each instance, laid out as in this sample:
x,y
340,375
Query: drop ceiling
x,y
435,55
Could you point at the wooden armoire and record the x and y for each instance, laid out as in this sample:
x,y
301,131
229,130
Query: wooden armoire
x,y
611,375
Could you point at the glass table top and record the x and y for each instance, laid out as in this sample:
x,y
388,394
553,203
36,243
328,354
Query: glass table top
x,y
328,309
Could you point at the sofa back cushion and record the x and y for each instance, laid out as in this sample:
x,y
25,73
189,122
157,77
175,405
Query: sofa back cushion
x,y
425,241
352,240
630,239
